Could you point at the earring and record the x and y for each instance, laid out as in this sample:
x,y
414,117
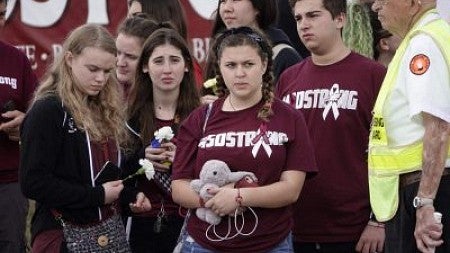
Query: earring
x,y
186,70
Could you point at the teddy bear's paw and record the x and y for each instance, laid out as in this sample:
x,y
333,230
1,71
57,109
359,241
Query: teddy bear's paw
x,y
213,220
201,213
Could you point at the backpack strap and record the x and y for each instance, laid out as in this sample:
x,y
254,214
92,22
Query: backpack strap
x,y
208,113
277,49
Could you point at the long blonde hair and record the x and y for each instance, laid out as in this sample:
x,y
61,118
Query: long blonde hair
x,y
100,116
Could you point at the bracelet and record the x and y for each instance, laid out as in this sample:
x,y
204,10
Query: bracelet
x,y
239,198
375,224
201,201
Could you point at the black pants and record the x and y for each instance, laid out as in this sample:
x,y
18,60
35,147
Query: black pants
x,y
144,239
13,214
400,230
338,247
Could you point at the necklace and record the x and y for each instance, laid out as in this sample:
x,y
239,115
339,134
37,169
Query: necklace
x,y
232,106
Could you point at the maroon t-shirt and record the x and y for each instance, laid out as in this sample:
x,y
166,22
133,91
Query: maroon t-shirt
x,y
17,84
336,101
228,137
101,153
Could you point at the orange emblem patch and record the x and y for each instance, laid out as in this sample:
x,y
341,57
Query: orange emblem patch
x,y
419,64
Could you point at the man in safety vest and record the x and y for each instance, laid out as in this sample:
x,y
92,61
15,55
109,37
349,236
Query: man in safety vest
x,y
409,158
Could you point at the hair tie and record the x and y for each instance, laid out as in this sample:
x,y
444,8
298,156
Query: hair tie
x,y
247,31
166,24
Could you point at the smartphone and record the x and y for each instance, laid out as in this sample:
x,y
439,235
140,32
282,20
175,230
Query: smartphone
x,y
109,172
8,106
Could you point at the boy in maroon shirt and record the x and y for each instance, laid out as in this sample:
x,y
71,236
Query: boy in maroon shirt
x,y
17,83
336,90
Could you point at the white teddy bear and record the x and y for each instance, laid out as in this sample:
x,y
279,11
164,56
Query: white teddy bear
x,y
214,174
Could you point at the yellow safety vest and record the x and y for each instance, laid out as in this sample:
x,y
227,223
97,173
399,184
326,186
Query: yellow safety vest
x,y
387,163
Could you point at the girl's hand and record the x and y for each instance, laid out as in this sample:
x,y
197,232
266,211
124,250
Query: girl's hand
x,y
157,156
141,205
112,190
224,201
170,151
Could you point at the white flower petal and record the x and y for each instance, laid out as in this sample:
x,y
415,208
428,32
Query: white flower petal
x,y
164,133
149,170
149,173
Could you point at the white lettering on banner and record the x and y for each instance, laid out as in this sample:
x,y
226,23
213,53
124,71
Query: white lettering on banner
x,y
97,12
30,52
240,139
331,100
41,14
9,81
200,48
45,14
203,8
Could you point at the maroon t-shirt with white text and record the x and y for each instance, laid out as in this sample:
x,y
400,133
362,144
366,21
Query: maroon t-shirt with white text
x,y
228,137
336,101
17,84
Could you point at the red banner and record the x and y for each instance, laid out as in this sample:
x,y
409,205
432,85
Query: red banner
x,y
38,27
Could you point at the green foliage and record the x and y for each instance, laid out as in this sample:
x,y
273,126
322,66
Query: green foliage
x,y
357,32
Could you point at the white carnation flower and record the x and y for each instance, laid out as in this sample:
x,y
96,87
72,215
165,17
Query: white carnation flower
x,y
164,134
148,168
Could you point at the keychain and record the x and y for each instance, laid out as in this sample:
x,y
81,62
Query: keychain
x,y
160,220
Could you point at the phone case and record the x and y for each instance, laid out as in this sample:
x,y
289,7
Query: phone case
x,y
109,172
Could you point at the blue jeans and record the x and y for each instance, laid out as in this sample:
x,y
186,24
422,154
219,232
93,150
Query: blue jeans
x,y
190,246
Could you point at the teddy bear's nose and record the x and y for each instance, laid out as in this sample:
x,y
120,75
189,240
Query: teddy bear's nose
x,y
215,173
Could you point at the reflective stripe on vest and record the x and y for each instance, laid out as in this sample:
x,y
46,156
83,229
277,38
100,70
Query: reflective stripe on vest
x,y
387,163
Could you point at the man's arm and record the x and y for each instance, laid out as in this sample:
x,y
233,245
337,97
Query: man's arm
x,y
435,150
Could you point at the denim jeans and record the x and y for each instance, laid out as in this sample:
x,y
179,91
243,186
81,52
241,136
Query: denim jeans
x,y
190,246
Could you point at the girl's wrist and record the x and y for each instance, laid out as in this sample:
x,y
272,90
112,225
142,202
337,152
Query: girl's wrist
x,y
239,200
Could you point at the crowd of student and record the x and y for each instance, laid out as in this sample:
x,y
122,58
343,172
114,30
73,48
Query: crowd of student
x,y
300,123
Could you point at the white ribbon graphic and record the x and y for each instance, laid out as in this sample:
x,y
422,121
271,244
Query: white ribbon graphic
x,y
332,102
261,139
